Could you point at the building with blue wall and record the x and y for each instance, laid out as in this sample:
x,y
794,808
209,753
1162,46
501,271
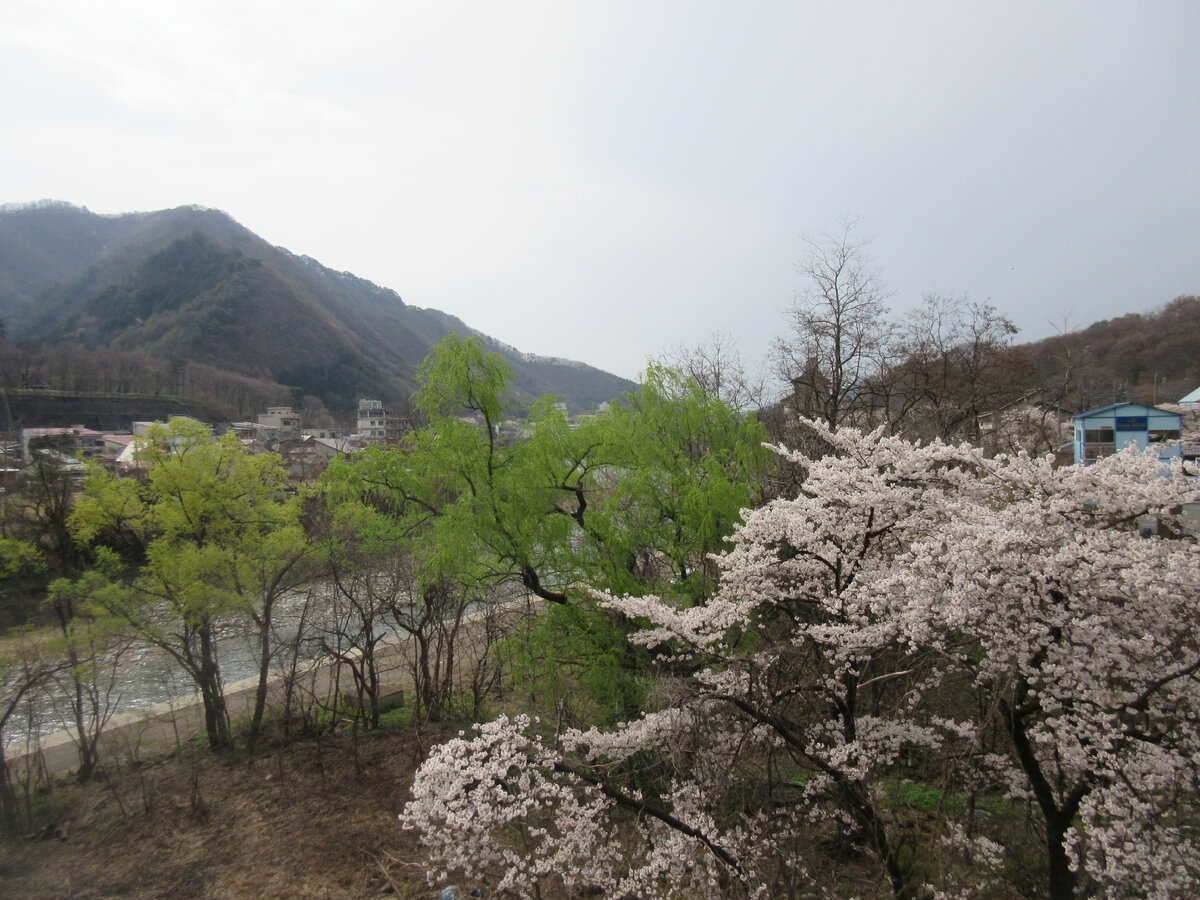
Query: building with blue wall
x,y
1102,432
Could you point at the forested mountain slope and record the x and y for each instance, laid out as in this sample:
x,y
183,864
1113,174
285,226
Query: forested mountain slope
x,y
203,298
1152,357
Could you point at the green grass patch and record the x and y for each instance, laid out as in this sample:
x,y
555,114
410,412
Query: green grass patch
x,y
921,797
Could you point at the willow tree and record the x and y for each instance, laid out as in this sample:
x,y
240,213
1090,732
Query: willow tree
x,y
634,499
454,502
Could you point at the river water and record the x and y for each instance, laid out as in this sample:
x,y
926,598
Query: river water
x,y
147,675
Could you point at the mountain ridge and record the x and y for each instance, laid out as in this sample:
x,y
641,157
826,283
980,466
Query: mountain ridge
x,y
193,285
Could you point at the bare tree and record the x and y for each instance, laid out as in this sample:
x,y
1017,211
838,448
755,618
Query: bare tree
x,y
954,363
86,685
376,597
716,366
294,635
839,329
433,615
355,628
22,672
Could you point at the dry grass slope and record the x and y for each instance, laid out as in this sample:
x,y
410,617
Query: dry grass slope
x,y
315,819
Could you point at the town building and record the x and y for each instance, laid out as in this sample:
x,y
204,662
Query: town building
x,y
254,431
376,425
306,458
142,428
70,443
285,421
1102,432
328,433
116,444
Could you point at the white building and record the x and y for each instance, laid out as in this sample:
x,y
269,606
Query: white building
x,y
284,419
66,443
372,420
376,425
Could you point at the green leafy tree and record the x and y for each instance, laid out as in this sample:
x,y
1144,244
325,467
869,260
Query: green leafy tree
x,y
635,499
677,465
372,581
35,542
651,488
19,558
89,657
431,532
221,543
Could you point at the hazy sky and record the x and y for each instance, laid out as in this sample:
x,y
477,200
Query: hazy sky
x,y
606,180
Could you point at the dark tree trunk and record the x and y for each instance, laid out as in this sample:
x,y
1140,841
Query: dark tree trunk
x,y
1062,881
10,805
216,714
264,672
89,757
1057,810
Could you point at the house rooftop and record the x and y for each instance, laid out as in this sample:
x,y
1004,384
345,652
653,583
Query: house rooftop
x,y
75,429
1113,406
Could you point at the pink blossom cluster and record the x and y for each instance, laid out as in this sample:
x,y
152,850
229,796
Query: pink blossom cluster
x,y
995,625
472,793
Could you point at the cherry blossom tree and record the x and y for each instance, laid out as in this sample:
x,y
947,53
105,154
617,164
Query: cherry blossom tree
x,y
991,629
1084,646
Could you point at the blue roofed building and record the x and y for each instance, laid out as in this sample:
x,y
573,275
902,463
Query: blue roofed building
x,y
1102,432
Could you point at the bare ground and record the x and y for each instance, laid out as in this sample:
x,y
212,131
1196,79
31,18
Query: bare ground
x,y
314,819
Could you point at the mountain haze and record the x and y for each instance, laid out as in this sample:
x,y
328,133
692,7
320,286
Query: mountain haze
x,y
190,286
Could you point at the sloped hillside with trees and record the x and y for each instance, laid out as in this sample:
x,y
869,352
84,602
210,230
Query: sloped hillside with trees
x,y
951,368
191,287
869,641
916,615
678,663
1149,357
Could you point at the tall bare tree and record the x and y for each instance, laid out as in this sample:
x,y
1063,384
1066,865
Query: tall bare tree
x,y
954,362
839,329
716,366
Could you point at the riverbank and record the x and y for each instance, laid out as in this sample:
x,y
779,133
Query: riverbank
x,y
146,733
299,818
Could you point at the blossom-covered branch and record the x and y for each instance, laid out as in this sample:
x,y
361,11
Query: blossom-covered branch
x,y
917,614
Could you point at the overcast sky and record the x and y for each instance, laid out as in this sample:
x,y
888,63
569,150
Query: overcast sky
x,y
606,180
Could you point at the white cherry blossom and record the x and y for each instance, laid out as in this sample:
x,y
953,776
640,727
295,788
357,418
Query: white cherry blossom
x,y
917,614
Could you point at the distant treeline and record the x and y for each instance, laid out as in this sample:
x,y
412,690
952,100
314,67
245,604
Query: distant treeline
x,y
70,367
1150,357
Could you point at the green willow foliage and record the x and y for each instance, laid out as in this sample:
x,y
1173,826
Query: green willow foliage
x,y
635,499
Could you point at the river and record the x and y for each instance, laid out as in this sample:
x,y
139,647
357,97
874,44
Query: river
x,y
146,675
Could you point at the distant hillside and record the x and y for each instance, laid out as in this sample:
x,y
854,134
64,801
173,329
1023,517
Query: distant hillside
x,y
48,245
193,293
1152,357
